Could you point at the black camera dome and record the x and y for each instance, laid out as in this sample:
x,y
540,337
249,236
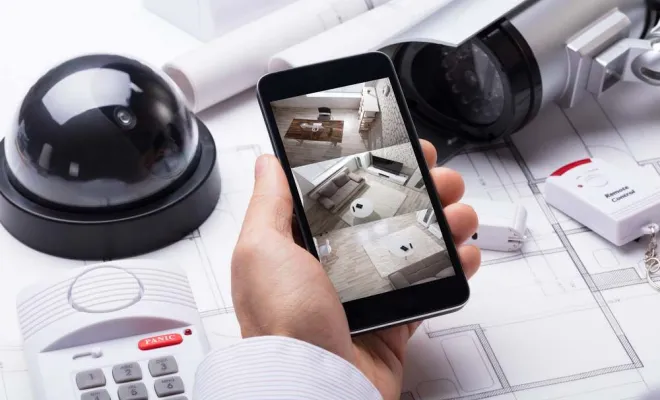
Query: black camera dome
x,y
105,161
100,131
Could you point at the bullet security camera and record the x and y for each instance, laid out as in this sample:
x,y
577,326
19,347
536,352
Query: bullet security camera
x,y
496,81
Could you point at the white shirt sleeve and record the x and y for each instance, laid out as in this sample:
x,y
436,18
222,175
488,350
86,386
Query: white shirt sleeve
x,y
279,368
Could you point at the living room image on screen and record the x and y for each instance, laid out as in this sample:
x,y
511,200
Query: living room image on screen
x,y
325,126
362,191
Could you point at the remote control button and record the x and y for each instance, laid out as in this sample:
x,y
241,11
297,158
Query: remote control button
x,y
596,180
127,372
96,395
163,366
133,391
168,386
157,342
90,379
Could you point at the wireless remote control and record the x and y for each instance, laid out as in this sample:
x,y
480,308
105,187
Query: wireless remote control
x,y
614,203
125,330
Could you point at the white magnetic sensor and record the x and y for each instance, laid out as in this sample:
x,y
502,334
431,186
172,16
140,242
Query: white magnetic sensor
x,y
615,203
502,225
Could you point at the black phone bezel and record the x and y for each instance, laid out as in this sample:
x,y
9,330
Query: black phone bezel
x,y
398,306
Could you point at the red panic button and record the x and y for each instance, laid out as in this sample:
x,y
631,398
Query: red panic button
x,y
157,342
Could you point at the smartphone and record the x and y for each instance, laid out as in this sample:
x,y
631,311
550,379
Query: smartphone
x,y
363,194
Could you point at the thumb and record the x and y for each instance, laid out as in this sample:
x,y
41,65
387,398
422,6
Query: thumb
x,y
271,205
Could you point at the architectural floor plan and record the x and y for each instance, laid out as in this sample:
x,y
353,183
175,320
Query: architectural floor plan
x,y
567,317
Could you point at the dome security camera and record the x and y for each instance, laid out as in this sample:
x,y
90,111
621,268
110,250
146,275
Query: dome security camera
x,y
494,81
105,161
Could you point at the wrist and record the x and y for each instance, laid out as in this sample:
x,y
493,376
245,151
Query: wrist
x,y
374,358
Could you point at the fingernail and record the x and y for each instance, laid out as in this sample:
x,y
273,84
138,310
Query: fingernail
x,y
262,165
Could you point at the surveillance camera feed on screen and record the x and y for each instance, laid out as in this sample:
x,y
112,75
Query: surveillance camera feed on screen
x,y
362,190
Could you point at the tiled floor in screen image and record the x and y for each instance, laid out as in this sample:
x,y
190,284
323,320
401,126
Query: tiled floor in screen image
x,y
362,263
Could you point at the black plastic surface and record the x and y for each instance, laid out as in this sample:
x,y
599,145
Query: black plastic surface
x,y
434,98
100,132
119,233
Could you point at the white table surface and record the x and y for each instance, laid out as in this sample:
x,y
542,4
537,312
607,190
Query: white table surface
x,y
395,247
366,210
36,34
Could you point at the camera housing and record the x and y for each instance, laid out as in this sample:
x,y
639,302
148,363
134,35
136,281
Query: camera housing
x,y
105,161
493,80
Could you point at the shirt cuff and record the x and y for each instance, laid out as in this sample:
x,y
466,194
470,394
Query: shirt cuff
x,y
274,367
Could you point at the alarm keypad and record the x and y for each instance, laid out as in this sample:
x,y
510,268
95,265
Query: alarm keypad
x,y
129,382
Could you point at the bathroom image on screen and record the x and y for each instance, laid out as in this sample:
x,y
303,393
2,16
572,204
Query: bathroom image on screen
x,y
361,188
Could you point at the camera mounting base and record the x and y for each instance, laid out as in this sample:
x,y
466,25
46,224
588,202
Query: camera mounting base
x,y
114,234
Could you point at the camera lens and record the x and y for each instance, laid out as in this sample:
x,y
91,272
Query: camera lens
x,y
476,84
479,91
125,118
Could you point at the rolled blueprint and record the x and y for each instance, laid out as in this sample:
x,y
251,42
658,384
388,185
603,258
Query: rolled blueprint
x,y
235,61
365,33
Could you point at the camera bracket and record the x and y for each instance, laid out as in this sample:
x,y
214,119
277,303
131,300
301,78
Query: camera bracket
x,y
629,60
590,43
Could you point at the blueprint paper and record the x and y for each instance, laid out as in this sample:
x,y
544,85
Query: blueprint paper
x,y
568,317
234,61
398,21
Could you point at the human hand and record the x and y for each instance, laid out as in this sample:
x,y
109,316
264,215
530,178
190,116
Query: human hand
x,y
280,289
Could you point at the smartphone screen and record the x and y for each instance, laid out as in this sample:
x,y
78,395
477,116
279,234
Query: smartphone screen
x,y
362,191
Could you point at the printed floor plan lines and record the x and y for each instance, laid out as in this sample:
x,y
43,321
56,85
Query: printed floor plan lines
x,y
564,316
14,381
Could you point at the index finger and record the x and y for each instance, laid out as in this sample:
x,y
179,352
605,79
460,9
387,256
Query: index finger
x,y
430,153
449,183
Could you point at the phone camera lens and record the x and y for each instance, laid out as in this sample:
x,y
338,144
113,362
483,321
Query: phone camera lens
x,y
125,118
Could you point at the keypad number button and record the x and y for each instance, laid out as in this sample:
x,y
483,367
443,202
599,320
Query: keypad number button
x,y
96,395
133,391
163,366
90,379
168,386
127,372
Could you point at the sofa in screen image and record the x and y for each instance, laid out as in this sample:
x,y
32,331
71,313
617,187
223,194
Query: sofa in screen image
x,y
430,269
338,190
